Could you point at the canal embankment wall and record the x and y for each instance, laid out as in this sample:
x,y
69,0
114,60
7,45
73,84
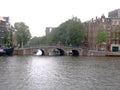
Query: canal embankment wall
x,y
23,51
101,53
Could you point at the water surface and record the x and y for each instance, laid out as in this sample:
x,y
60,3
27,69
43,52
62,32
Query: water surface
x,y
59,73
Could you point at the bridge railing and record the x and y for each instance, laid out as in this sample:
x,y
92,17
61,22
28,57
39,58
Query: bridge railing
x,y
54,46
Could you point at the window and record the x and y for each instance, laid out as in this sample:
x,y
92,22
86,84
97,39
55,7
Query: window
x,y
115,48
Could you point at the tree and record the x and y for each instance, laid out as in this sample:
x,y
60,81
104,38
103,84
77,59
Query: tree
x,y
69,32
101,35
22,33
11,37
75,32
35,41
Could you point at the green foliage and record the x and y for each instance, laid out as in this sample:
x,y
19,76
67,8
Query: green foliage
x,y
6,37
11,39
75,32
69,32
101,35
37,41
22,33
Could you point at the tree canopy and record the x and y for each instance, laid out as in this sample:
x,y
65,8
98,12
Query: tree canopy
x,y
22,33
101,35
70,32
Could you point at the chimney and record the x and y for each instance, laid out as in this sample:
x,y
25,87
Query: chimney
x,y
96,18
92,19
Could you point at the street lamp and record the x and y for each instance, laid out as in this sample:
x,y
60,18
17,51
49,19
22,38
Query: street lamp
x,y
22,40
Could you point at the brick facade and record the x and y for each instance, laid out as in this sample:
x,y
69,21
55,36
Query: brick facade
x,y
92,27
110,24
5,31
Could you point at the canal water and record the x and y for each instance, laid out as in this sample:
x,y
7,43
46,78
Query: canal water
x,y
59,73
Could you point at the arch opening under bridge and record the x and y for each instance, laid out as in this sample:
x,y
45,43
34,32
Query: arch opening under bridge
x,y
74,52
58,51
39,52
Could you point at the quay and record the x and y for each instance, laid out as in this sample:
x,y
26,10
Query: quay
x,y
23,51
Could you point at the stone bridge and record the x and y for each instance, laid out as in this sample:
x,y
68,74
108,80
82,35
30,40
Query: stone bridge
x,y
74,51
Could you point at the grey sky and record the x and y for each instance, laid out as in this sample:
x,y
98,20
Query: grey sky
x,y
39,14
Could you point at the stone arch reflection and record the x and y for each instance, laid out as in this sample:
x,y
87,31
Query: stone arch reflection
x,y
62,53
40,52
56,52
74,52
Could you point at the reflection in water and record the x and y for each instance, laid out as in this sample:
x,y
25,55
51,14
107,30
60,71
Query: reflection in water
x,y
59,73
39,52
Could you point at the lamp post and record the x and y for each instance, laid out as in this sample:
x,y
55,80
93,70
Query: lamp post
x,y
22,41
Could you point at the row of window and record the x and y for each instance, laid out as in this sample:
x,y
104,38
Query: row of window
x,y
116,41
116,22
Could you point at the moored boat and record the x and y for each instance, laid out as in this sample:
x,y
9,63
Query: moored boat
x,y
113,54
6,51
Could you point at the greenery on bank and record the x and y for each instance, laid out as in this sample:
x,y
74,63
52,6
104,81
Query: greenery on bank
x,y
70,32
22,33
6,37
101,35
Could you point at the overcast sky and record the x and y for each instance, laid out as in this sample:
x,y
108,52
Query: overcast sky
x,y
39,14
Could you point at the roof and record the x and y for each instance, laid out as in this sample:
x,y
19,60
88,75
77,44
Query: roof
x,y
2,19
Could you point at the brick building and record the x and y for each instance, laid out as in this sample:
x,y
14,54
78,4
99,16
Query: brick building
x,y
5,31
111,25
91,28
48,30
115,39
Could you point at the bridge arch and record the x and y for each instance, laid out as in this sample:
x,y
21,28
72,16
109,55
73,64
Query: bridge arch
x,y
43,53
74,52
39,52
62,52
56,52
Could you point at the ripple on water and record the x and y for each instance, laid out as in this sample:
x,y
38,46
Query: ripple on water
x,y
59,73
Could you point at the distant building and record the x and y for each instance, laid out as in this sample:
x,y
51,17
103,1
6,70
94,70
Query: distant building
x,y
114,14
48,30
